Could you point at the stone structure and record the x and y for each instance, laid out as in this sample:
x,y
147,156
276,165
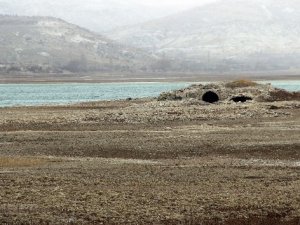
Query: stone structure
x,y
238,91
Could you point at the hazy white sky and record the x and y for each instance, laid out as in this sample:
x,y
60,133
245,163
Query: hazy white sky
x,y
175,3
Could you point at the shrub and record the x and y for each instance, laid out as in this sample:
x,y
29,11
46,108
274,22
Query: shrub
x,y
283,95
241,84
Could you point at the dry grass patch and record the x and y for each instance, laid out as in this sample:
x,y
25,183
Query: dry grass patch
x,y
18,161
283,95
241,84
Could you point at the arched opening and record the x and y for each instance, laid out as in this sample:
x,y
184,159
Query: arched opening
x,y
210,97
241,99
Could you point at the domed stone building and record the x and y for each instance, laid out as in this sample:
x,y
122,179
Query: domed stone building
x,y
237,91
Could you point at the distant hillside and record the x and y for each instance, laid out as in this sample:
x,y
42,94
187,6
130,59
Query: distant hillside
x,y
256,35
96,15
39,44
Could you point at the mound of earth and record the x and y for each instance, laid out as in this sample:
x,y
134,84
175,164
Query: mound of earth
x,y
237,91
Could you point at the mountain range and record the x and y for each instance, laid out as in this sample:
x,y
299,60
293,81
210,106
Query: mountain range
x,y
224,35
50,45
95,15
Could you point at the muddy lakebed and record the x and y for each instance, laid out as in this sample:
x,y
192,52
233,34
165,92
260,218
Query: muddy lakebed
x,y
154,161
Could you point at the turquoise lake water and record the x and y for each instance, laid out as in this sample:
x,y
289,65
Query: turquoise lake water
x,y
49,94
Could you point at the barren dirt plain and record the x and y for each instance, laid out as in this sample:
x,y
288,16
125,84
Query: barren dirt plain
x,y
150,162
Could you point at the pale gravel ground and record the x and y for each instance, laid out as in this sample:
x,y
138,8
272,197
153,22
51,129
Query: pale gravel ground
x,y
200,163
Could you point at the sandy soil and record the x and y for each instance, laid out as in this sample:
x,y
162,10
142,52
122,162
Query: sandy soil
x,y
148,162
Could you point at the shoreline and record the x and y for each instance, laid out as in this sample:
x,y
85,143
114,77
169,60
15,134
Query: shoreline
x,y
156,78
79,101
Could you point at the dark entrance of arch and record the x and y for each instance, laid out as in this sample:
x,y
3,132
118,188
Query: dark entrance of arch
x,y
210,97
241,99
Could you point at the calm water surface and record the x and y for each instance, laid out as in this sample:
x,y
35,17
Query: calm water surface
x,y
290,85
46,94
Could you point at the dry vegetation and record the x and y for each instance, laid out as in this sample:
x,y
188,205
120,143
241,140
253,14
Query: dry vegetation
x,y
21,161
241,84
283,95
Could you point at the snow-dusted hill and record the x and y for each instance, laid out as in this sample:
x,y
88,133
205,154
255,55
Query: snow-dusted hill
x,y
96,15
45,44
225,35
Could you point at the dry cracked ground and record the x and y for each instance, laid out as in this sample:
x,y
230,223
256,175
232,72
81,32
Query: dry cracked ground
x,y
149,162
